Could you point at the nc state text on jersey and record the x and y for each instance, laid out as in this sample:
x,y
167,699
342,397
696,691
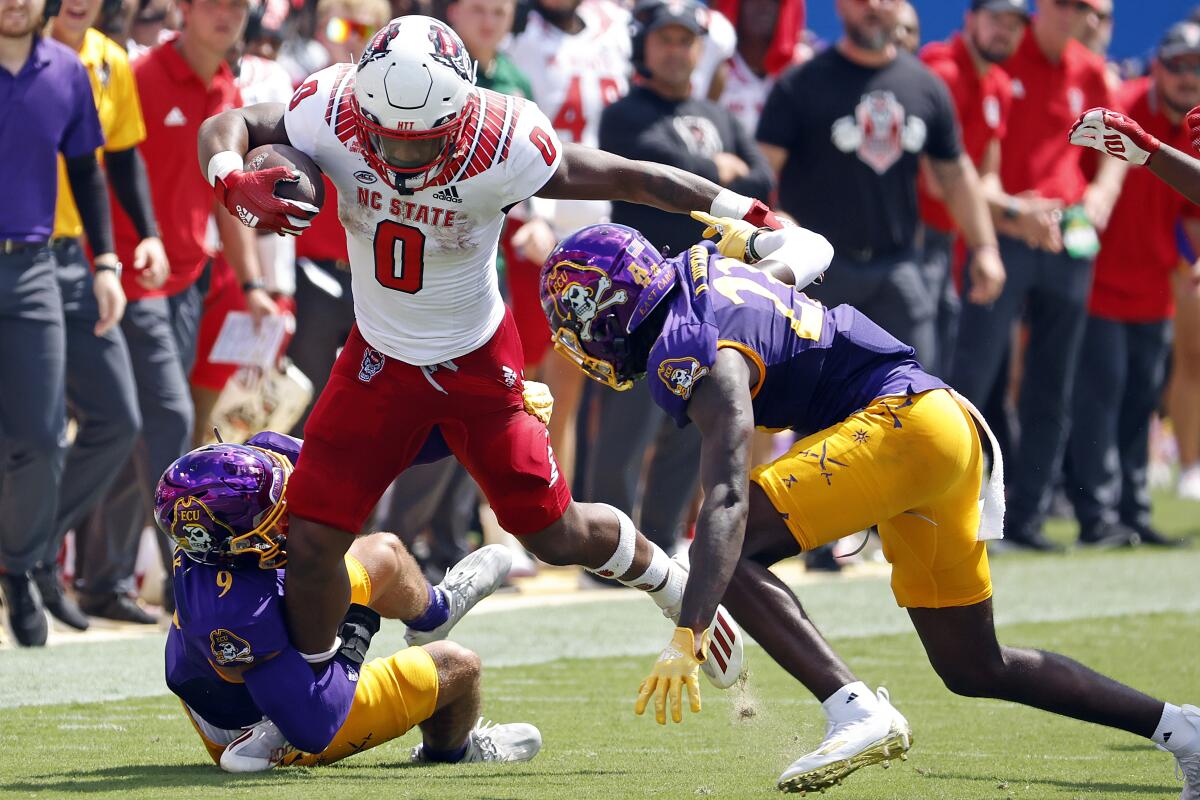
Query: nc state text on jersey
x,y
406,209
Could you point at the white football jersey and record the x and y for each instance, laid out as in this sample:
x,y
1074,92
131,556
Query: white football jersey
x,y
745,93
720,44
574,78
424,264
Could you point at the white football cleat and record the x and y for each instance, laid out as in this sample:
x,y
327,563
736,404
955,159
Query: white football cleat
x,y
260,748
511,742
725,658
1188,487
467,582
1187,764
875,739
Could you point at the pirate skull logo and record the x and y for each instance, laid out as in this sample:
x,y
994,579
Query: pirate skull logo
x,y
196,538
680,375
229,648
585,305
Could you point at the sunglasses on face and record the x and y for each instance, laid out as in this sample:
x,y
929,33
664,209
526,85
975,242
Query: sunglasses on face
x,y
340,30
1176,67
1081,7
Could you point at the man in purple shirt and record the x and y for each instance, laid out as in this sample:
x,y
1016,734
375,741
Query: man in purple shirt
x,y
730,347
48,109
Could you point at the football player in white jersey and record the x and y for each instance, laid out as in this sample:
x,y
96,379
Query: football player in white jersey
x,y
426,164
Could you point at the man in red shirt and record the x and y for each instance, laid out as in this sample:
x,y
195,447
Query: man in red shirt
x,y
968,63
1054,78
181,83
1123,368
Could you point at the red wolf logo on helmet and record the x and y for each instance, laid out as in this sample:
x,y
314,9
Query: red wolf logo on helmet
x,y
378,48
448,49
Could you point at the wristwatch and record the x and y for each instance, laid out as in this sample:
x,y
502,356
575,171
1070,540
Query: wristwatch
x,y
115,266
251,285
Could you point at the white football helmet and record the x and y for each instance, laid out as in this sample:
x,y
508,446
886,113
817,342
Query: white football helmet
x,y
413,94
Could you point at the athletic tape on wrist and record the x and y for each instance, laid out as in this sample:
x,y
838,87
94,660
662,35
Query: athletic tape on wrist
x,y
319,658
222,164
730,204
621,560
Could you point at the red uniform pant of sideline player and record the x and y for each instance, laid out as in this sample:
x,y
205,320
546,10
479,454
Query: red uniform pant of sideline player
x,y
376,412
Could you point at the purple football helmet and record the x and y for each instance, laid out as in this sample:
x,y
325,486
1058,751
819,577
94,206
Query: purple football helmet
x,y
597,287
224,503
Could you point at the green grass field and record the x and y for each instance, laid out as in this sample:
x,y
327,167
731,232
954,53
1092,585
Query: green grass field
x,y
93,719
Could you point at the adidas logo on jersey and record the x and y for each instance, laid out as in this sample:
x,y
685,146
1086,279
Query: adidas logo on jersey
x,y
174,118
449,194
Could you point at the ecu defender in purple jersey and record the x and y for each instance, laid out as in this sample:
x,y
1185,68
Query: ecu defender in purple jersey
x,y
730,347
253,698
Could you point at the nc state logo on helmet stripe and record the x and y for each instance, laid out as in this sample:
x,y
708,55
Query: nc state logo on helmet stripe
x,y
448,49
378,48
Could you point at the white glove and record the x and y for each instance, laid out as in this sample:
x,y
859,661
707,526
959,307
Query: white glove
x,y
1114,134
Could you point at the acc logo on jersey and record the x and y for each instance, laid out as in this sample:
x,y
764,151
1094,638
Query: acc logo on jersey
x,y
680,375
229,648
195,529
582,303
378,48
449,50
372,364
365,176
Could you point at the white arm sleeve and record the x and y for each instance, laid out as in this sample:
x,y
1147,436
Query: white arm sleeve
x,y
806,253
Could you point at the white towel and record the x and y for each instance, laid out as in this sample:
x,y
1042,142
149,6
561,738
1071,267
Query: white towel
x,y
991,492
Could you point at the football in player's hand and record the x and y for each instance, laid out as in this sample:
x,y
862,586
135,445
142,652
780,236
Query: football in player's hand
x,y
309,189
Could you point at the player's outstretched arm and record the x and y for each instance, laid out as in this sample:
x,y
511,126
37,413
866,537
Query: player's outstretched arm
x,y
1178,170
586,173
1123,138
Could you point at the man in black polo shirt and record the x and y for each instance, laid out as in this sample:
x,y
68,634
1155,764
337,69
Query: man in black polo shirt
x,y
660,121
845,132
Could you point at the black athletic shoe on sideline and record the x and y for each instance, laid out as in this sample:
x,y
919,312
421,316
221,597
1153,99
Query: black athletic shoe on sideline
x,y
1149,536
117,607
1104,535
55,598
26,616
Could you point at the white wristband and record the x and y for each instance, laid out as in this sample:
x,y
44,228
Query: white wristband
x,y
730,204
320,658
222,164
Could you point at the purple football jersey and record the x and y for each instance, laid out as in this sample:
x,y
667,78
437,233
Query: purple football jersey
x,y
817,366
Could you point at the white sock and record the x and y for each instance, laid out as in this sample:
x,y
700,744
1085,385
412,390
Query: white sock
x,y
852,701
656,571
670,596
1174,733
622,558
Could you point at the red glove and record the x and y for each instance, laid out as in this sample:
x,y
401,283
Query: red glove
x,y
761,216
1193,126
250,196
1114,134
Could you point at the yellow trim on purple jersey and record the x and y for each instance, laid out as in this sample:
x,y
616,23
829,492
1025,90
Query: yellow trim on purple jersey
x,y
750,353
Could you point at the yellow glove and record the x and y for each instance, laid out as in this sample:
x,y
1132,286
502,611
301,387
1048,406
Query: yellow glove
x,y
676,668
735,233
538,401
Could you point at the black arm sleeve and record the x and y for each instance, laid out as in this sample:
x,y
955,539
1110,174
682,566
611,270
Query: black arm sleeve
x,y
127,175
761,179
91,198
